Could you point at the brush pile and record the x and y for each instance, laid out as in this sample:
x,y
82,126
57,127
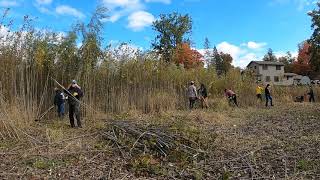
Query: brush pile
x,y
147,148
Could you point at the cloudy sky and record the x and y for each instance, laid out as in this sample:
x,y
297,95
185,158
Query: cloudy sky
x,y
243,28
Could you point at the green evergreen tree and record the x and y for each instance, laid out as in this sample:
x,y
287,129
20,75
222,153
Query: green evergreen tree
x,y
172,30
270,56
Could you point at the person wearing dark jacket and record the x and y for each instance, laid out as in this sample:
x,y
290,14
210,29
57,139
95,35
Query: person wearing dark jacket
x,y
267,93
59,102
311,95
74,95
203,94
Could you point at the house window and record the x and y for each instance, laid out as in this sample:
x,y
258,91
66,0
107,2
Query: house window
x,y
288,78
278,67
258,78
268,78
276,79
265,67
255,67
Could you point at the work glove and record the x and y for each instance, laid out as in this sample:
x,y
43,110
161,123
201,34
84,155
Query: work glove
x,y
75,94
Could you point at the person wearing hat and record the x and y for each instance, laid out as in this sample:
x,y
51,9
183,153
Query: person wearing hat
x,y
74,95
192,94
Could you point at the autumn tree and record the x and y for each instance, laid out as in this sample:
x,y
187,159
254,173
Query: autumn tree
x,y
302,65
270,56
173,29
188,57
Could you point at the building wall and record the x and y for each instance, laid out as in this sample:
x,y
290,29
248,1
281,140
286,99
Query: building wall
x,y
288,81
272,72
255,68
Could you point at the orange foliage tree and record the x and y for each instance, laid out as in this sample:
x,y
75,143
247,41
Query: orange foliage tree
x,y
302,65
188,57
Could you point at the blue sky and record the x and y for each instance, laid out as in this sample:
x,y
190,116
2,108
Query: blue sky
x,y
245,29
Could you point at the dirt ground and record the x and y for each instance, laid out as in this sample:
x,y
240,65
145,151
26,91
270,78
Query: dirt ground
x,y
282,142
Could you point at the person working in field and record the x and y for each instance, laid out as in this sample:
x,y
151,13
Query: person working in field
x,y
59,102
232,97
259,91
311,94
192,94
74,95
267,92
203,94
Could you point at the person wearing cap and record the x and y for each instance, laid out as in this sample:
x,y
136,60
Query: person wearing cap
x,y
59,102
192,94
74,95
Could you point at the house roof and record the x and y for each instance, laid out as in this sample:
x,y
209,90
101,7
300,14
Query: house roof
x,y
290,74
267,63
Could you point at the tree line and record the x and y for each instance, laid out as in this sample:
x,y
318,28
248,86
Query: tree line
x,y
115,79
308,60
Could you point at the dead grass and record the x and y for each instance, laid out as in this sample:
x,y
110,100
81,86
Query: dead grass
x,y
245,143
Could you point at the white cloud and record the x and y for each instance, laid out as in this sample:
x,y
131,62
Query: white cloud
x,y
122,3
44,2
231,49
7,3
4,33
43,10
281,54
139,20
159,1
120,8
300,4
67,10
114,18
42,6
244,53
241,55
244,60
255,45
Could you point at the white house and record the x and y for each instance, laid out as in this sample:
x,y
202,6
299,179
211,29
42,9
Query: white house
x,y
273,73
267,71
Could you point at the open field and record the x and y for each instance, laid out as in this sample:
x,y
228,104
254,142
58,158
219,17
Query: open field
x,y
278,143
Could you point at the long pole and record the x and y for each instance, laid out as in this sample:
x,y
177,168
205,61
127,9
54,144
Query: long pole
x,y
45,113
68,92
